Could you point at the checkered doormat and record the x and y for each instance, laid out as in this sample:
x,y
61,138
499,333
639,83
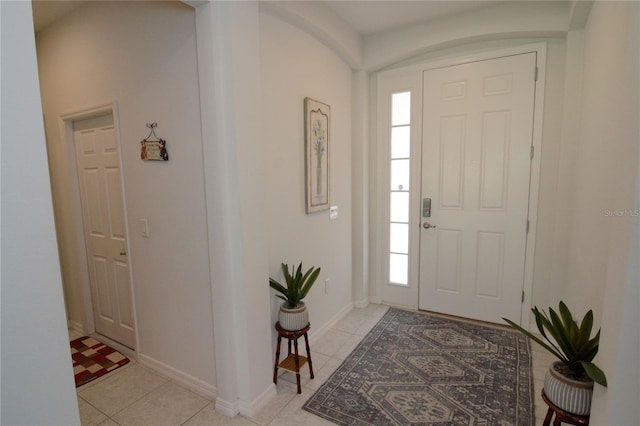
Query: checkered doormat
x,y
92,359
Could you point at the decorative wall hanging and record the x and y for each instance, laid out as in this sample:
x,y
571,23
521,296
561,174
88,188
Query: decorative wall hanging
x,y
153,149
317,120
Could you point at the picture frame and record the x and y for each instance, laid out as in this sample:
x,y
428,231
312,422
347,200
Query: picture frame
x,y
317,131
153,150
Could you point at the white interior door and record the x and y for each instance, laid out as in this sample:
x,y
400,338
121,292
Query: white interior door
x,y
476,161
101,192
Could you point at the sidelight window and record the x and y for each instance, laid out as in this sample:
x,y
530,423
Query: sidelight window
x,y
399,191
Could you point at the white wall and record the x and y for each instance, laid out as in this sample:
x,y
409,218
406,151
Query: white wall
x,y
37,378
554,272
549,272
295,65
605,156
142,55
230,84
603,258
319,20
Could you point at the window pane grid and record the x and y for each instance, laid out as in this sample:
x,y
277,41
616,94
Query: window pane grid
x,y
400,141
400,149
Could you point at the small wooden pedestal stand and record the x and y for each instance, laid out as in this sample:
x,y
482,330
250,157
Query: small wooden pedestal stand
x,y
561,415
293,362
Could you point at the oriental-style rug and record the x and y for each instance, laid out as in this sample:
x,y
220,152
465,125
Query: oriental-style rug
x,y
92,359
415,368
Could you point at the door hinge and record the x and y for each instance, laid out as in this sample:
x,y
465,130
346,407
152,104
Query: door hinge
x,y
532,151
535,75
522,301
527,226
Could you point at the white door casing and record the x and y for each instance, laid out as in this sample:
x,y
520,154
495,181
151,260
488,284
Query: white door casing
x,y
477,135
101,193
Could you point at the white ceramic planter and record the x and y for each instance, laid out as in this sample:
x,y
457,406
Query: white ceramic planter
x,y
573,396
293,319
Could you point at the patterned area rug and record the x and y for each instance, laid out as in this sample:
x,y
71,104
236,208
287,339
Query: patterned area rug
x,y
92,359
417,368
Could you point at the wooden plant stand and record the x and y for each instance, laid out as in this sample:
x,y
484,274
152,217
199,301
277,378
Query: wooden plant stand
x,y
561,415
293,362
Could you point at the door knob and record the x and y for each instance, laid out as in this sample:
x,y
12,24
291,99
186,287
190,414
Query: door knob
x,y
123,253
427,225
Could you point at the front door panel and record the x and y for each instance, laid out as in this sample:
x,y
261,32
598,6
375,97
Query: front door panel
x,y
476,160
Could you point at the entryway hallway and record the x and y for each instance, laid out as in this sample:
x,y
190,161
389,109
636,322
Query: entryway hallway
x,y
136,395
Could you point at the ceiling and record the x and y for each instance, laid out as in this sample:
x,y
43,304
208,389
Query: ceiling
x,y
46,12
369,17
364,16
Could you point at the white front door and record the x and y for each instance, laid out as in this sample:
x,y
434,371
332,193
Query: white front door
x,y
476,162
101,193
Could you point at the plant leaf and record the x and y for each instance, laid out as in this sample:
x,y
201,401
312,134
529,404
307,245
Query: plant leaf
x,y
571,327
538,316
277,286
535,338
297,283
561,336
585,328
567,318
299,271
287,276
306,274
590,349
593,371
573,344
311,279
588,353
546,323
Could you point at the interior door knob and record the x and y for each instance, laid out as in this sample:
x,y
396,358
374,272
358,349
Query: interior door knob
x,y
427,225
123,253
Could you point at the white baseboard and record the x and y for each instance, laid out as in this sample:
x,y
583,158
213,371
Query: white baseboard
x,y
203,388
250,409
315,335
128,352
376,300
362,303
75,326
229,409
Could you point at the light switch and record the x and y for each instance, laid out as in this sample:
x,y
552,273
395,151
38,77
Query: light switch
x,y
144,227
333,212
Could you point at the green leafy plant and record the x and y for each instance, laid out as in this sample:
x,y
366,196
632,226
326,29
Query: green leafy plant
x,y
297,284
573,343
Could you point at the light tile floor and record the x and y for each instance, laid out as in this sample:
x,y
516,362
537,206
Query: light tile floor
x,y
135,395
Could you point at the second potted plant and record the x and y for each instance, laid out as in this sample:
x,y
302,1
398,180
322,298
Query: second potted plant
x,y
293,314
569,381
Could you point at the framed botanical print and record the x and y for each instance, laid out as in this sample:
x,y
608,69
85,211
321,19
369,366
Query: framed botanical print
x,y
317,126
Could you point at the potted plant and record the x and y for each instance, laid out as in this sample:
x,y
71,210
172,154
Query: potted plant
x,y
569,381
293,314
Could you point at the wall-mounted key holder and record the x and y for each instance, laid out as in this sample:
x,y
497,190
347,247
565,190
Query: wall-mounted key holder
x,y
153,149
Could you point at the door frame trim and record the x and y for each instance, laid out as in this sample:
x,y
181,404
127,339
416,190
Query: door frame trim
x,y
65,124
398,81
379,195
